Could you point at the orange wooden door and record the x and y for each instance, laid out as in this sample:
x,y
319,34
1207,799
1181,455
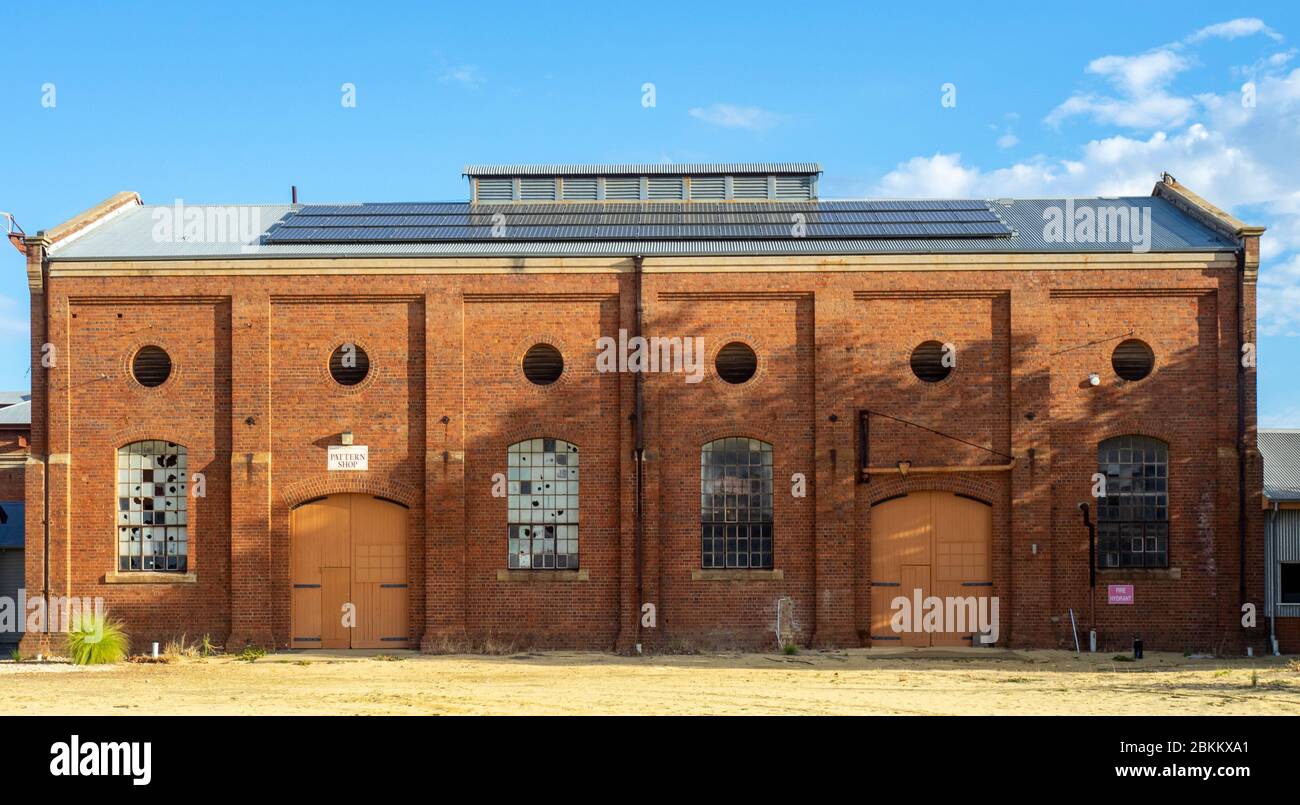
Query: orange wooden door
x,y
348,573
900,535
318,539
937,542
916,587
960,574
379,573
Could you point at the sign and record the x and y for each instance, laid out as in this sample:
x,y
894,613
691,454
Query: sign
x,y
348,458
1120,594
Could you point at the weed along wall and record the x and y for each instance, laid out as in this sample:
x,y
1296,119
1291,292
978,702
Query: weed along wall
x,y
376,428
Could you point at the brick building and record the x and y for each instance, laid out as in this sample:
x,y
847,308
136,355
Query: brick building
x,y
15,435
256,418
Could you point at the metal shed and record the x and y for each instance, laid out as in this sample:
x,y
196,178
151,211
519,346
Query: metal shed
x,y
1281,453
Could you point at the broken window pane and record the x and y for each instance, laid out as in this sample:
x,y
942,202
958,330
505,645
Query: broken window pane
x,y
543,505
151,507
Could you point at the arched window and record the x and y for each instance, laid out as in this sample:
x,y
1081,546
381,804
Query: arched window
x,y
152,521
542,476
736,503
1133,513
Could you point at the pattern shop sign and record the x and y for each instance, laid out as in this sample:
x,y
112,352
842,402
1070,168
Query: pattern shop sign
x,y
348,458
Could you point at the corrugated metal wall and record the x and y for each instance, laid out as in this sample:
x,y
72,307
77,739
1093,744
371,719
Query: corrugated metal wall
x,y
1286,530
1281,544
11,579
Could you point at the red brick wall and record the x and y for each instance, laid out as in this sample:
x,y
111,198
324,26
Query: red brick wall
x,y
446,397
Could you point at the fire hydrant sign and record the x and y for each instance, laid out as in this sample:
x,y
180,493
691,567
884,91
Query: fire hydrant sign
x,y
348,458
1120,594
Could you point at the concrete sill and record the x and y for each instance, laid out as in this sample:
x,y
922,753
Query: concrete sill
x,y
543,576
1114,575
150,577
738,574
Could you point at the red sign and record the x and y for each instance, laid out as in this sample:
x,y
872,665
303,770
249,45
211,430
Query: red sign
x,y
1120,593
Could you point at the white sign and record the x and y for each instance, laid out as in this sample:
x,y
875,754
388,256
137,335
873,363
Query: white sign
x,y
349,457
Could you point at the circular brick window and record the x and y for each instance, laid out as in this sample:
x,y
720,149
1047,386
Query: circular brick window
x,y
1133,359
349,364
151,366
736,362
928,362
543,364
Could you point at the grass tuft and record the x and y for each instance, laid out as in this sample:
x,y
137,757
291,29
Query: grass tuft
x,y
96,639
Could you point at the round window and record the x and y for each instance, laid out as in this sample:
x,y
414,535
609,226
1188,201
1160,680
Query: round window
x,y
349,364
1133,359
928,362
543,364
736,362
151,366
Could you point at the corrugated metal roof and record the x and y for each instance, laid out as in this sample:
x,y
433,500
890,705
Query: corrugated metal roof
x,y
1281,452
18,414
645,169
14,397
132,235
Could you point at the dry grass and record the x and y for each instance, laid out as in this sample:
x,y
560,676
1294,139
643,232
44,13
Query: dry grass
x,y
845,682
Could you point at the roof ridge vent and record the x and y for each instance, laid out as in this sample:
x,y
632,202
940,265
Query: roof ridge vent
x,y
717,182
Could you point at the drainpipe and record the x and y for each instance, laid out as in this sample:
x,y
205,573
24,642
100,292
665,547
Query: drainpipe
x,y
1270,582
1092,568
638,416
1241,431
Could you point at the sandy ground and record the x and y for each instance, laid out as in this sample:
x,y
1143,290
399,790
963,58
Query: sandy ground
x,y
864,681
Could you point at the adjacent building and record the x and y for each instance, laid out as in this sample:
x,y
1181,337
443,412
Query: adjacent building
x,y
433,425
1280,450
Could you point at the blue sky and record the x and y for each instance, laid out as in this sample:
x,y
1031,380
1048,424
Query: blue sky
x,y
236,102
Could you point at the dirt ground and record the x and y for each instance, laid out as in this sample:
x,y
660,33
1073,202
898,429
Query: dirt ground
x,y
864,681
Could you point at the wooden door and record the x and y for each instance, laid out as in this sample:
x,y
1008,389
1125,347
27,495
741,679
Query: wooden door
x,y
939,543
379,573
960,573
900,535
348,566
319,537
916,588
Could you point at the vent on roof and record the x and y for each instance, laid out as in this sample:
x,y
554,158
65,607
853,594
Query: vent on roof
x,y
623,188
536,189
497,188
667,188
749,187
579,188
708,188
793,188
766,181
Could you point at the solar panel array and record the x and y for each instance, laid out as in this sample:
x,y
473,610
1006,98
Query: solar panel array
x,y
463,221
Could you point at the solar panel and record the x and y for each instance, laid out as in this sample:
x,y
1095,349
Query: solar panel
x,y
464,221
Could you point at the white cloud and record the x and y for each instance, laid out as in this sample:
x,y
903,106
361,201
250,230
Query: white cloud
x,y
1143,101
466,75
1236,155
736,117
1008,140
1235,29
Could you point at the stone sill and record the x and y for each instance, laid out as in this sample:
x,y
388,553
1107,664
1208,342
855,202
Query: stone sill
x,y
150,577
543,575
738,574
1112,575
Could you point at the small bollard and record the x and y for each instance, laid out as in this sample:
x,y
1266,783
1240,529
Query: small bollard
x,y
155,651
1137,648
